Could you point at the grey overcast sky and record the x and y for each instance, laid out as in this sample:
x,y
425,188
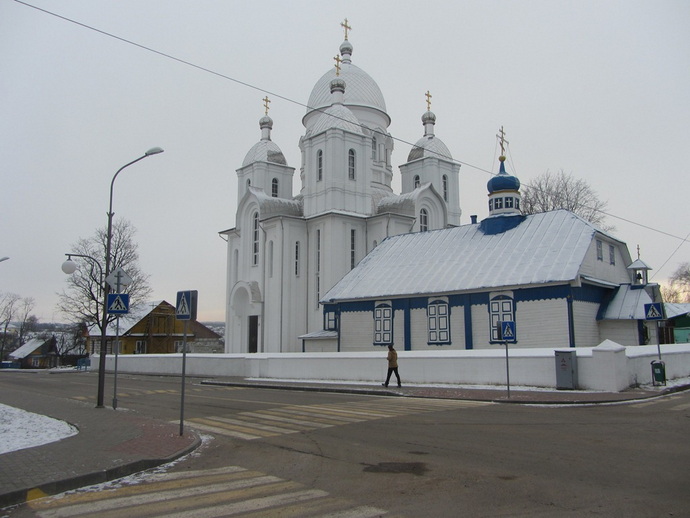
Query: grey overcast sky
x,y
598,88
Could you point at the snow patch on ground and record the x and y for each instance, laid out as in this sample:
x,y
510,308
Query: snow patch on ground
x,y
20,429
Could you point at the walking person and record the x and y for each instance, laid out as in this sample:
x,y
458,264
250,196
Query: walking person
x,y
392,365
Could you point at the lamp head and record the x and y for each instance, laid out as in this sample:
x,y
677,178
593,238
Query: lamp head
x,y
154,151
69,266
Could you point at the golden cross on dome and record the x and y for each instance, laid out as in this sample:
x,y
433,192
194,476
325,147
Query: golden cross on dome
x,y
502,138
266,101
345,26
428,101
338,60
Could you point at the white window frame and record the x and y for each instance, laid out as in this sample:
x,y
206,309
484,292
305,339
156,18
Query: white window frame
x,y
383,323
501,309
438,321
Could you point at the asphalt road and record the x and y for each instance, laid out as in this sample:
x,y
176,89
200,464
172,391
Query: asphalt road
x,y
415,457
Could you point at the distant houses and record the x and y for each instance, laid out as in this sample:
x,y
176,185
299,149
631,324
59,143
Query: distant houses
x,y
153,329
38,353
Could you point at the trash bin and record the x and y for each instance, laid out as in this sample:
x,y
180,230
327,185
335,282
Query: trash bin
x,y
658,373
566,370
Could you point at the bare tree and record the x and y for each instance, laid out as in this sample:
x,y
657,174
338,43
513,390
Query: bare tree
x,y
82,299
551,191
678,289
26,320
8,309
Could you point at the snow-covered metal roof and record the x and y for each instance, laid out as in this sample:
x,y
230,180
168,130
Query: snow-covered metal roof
x,y
627,304
501,251
675,309
26,349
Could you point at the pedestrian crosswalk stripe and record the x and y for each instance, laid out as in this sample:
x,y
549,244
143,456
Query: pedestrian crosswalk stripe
x,y
206,493
289,419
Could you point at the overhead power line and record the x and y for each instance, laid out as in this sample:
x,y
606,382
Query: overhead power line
x,y
287,99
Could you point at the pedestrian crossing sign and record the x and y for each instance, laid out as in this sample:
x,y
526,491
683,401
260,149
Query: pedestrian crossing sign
x,y
118,303
506,331
185,308
653,311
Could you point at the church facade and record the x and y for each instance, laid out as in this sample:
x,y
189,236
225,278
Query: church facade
x,y
349,265
286,251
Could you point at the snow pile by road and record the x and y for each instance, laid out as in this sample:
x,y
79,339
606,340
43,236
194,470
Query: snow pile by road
x,y
20,429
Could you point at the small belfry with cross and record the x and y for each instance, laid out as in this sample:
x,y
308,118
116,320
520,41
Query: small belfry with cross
x,y
428,100
266,101
345,26
501,135
338,60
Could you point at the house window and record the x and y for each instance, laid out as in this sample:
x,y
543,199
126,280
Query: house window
x,y
353,235
501,309
438,322
383,324
423,220
373,148
319,165
140,347
509,202
612,254
445,188
255,239
517,203
491,205
297,259
600,251
351,164
249,182
330,319
274,187
416,181
498,203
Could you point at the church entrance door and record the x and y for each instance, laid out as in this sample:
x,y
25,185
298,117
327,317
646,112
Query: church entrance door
x,y
253,333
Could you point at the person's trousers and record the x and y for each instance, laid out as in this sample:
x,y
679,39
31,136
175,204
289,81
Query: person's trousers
x,y
390,371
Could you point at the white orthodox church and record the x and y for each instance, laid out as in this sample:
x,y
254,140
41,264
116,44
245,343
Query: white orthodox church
x,y
295,276
286,252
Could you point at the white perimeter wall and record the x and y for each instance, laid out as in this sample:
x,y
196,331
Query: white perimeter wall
x,y
607,367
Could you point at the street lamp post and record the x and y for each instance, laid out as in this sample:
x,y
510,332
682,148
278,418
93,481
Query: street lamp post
x,y
106,290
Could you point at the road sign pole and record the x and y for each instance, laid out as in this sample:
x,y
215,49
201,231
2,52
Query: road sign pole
x,y
507,369
117,350
184,368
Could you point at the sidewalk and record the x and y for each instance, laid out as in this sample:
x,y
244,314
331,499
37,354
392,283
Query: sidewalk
x,y
112,444
523,395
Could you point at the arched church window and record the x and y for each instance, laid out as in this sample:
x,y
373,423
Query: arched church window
x,y
423,220
297,259
351,164
274,187
255,239
319,165
445,187
416,181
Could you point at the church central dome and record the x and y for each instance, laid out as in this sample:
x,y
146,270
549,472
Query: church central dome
x,y
362,91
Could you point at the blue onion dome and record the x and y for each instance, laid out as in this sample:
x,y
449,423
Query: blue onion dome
x,y
503,181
